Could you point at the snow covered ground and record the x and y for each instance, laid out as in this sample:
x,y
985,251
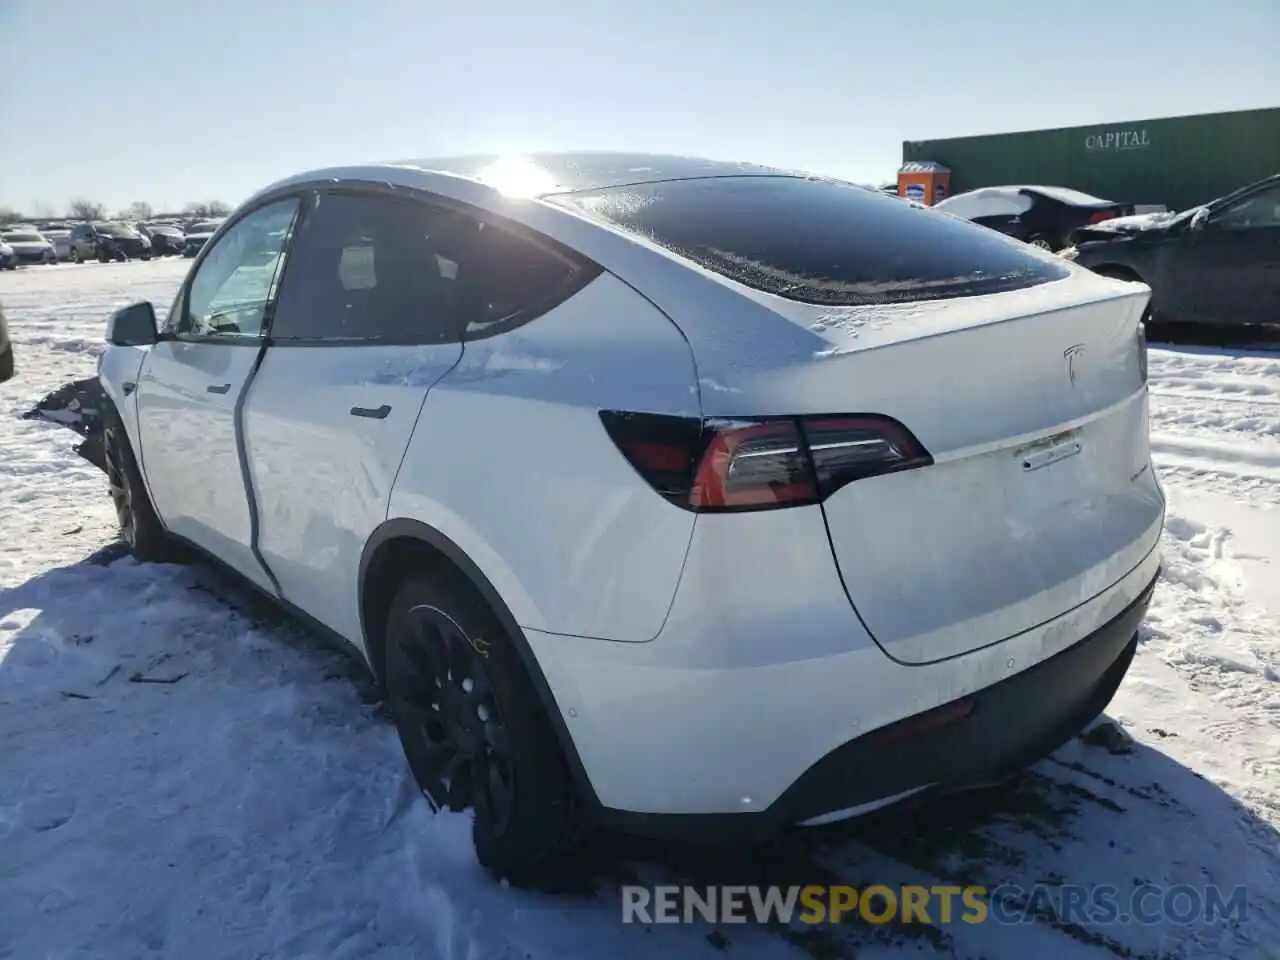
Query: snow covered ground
x,y
183,773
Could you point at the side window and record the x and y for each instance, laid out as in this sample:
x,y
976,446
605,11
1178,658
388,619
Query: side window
x,y
230,291
1260,210
510,279
376,268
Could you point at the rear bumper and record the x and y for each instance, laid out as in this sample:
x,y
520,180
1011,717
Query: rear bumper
x,y
756,699
968,742
977,739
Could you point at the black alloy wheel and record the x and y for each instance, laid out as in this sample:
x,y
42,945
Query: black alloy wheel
x,y
140,526
450,724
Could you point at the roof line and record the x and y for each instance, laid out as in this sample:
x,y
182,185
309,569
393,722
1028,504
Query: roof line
x,y
772,174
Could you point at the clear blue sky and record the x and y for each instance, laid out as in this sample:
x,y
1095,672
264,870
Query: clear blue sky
x,y
122,100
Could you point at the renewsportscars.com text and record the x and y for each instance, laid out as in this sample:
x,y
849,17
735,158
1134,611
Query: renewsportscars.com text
x,y
1094,904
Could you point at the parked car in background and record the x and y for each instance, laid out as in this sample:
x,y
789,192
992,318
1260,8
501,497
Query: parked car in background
x,y
108,241
6,350
60,238
8,259
1041,216
84,243
29,247
781,415
198,235
1215,264
165,239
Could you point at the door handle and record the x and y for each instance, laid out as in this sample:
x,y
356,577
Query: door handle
x,y
218,387
128,386
373,413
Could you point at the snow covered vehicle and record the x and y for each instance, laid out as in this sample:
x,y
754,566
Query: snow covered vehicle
x,y
690,498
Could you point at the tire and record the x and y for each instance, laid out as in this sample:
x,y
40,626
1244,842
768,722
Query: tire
x,y
494,731
75,256
140,528
1041,242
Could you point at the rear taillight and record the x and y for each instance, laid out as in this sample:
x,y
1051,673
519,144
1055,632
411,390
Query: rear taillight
x,y
1099,216
760,464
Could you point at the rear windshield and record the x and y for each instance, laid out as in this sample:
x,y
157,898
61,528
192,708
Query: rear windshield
x,y
819,241
117,230
23,237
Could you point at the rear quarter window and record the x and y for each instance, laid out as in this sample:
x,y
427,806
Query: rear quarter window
x,y
819,241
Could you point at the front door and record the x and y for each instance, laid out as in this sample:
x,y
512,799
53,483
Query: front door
x,y
191,385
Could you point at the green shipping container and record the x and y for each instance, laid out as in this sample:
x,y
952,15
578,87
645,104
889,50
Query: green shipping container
x,y
1175,161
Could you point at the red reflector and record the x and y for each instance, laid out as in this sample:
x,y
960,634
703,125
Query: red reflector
x,y
923,723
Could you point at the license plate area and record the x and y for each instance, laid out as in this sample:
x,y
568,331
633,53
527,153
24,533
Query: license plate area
x,y
1050,450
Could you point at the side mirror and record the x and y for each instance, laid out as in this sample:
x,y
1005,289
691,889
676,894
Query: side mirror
x,y
133,326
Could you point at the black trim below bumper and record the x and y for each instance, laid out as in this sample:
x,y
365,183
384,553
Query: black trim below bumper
x,y
976,740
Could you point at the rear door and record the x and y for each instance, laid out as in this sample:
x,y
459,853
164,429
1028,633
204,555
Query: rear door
x,y
365,326
1235,260
192,382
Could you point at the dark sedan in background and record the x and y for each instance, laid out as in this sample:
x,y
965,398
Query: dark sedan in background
x,y
1041,216
108,241
165,239
198,235
1215,264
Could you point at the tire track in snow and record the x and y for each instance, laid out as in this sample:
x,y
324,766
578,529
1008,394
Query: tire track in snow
x,y
1215,420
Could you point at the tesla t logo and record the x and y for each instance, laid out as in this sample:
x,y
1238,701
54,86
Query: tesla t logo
x,y
1072,355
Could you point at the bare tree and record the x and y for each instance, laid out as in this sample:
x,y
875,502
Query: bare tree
x,y
139,210
82,209
208,208
9,215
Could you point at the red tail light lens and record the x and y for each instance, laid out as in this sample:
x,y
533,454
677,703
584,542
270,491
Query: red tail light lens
x,y
762,464
1101,215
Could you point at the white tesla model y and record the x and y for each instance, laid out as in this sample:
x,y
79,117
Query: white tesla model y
x,y
690,498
